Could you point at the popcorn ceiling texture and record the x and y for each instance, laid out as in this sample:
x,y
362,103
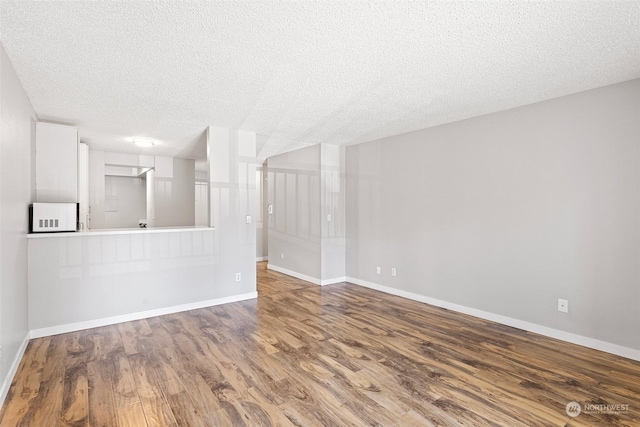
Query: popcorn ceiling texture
x,y
305,73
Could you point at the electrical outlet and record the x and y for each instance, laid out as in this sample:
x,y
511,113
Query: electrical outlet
x,y
393,271
238,277
329,217
563,305
281,256
248,219
378,270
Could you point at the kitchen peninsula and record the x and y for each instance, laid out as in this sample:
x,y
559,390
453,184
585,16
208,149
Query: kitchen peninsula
x,y
93,278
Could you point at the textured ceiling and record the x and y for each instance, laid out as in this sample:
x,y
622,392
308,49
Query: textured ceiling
x,y
304,73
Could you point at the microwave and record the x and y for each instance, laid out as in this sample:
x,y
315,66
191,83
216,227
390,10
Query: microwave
x,y
53,217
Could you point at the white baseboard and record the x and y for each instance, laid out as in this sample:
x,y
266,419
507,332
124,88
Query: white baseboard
x,y
105,321
306,278
593,343
300,276
6,383
262,258
333,281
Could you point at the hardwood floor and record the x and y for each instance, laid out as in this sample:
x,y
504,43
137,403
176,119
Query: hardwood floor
x,y
303,355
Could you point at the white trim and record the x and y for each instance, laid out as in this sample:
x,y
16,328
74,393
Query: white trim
x,y
262,258
294,274
593,343
6,384
333,281
78,326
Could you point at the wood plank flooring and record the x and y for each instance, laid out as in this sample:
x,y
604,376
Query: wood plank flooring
x,y
302,355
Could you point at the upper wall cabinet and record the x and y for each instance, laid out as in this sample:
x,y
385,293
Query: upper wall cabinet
x,y
56,163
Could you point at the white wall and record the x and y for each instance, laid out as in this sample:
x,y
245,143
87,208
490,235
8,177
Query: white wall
x,y
56,163
175,197
17,142
96,277
125,201
332,217
508,212
232,186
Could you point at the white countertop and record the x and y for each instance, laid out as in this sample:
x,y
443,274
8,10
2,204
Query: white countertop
x,y
111,232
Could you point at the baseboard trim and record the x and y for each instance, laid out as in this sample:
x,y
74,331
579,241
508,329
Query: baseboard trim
x,y
6,383
105,321
593,343
297,275
333,281
262,258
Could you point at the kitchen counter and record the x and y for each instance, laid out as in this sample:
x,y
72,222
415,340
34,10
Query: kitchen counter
x,y
116,231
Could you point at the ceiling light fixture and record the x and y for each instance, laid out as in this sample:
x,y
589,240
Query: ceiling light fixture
x,y
143,142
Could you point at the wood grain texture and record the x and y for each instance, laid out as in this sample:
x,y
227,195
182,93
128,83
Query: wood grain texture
x,y
304,355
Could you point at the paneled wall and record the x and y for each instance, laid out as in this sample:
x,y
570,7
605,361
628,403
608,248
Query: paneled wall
x,y
294,220
306,221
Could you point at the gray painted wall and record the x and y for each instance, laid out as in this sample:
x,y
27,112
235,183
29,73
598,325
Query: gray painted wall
x,y
510,211
126,199
202,204
175,197
17,141
294,225
97,190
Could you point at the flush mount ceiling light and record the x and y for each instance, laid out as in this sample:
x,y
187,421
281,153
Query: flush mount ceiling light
x,y
143,142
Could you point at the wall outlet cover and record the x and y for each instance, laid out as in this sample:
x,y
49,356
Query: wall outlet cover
x,y
563,305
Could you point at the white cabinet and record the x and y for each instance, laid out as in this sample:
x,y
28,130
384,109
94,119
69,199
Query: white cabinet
x,y
56,163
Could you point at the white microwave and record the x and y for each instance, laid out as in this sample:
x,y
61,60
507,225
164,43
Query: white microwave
x,y
53,217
